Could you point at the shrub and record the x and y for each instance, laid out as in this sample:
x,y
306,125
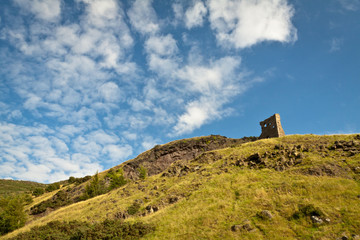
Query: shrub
x,y
108,229
142,172
52,187
117,178
60,199
78,181
307,211
71,179
134,208
12,215
38,191
94,188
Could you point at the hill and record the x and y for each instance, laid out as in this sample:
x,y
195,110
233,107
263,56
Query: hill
x,y
8,187
293,187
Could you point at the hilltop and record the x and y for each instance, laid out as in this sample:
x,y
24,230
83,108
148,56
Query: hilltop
x,y
292,187
8,187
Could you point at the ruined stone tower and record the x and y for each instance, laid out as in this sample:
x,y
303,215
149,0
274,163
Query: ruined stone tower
x,y
271,127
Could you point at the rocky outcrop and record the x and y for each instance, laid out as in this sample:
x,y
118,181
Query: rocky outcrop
x,y
161,157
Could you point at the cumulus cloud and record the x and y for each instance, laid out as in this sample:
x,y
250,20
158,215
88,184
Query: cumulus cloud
x,y
37,153
194,16
161,45
143,17
117,153
246,23
110,92
48,10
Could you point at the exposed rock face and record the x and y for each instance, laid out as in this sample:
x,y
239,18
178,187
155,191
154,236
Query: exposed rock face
x,y
271,127
161,157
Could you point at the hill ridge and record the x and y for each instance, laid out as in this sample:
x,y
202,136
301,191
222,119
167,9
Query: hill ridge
x,y
305,183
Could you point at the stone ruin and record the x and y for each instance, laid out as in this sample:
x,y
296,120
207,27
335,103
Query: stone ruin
x,y
271,127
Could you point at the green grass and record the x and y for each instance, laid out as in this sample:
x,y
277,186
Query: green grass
x,y
8,187
216,194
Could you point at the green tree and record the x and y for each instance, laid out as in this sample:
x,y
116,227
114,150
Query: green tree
x,y
117,178
38,191
142,172
94,188
12,215
52,187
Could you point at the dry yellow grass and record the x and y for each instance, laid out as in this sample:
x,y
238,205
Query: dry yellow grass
x,y
212,200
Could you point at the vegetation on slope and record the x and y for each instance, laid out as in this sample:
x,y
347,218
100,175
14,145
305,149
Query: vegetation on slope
x,y
10,187
108,229
12,215
294,187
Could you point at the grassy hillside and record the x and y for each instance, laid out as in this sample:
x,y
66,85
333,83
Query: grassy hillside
x,y
294,187
14,187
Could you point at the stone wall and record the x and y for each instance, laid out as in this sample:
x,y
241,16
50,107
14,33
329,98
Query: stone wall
x,y
271,127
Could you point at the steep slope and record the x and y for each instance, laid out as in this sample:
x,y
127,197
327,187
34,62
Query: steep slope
x,y
294,187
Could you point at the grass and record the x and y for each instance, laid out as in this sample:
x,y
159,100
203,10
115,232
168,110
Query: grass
x,y
218,195
8,187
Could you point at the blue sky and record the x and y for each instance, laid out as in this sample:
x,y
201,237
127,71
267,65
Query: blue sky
x,y
88,84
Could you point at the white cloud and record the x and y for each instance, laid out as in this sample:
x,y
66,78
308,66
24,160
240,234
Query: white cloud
x,y
48,10
149,142
335,44
117,153
102,12
163,66
350,5
35,153
16,114
194,16
197,113
110,92
100,137
217,84
161,45
246,23
178,12
143,17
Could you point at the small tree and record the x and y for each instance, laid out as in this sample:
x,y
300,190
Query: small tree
x,y
52,187
94,188
117,178
72,179
12,215
38,191
142,172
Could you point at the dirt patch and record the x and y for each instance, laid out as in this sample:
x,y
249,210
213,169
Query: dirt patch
x,y
328,169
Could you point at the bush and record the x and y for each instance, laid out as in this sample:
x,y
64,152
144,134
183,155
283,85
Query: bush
x,y
108,229
38,191
94,188
60,199
71,179
307,211
133,209
117,178
12,215
78,181
52,187
142,172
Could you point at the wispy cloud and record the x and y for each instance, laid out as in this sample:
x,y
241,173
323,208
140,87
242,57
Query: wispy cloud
x,y
335,44
350,5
